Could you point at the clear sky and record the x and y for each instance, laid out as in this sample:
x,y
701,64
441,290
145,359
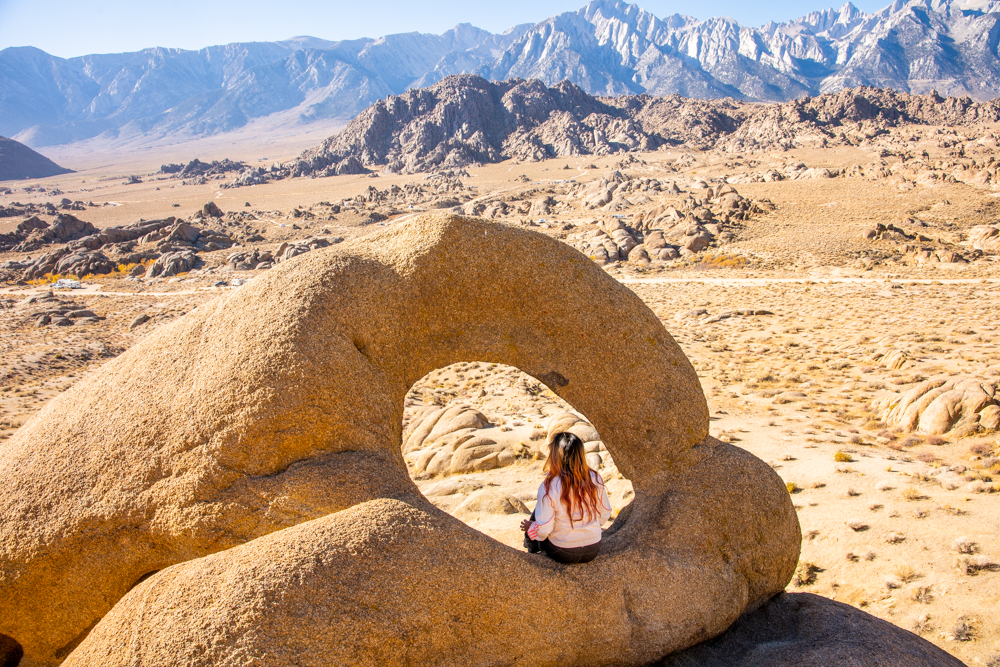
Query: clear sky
x,y
76,27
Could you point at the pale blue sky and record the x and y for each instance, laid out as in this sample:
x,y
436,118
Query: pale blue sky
x,y
75,27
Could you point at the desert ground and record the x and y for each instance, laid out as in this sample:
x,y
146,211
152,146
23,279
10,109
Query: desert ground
x,y
805,330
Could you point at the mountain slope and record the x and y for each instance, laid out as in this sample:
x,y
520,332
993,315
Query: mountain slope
x,y
17,162
608,47
465,119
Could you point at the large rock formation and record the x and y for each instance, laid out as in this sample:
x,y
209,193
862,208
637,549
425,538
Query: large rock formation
x,y
17,162
255,446
957,406
465,119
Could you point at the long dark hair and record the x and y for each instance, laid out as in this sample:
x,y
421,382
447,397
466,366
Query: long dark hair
x,y
568,462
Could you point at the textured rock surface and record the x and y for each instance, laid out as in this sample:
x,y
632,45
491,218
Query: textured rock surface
x,y
935,407
466,119
259,417
811,631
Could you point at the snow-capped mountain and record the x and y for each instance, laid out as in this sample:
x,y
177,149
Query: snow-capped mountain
x,y
608,47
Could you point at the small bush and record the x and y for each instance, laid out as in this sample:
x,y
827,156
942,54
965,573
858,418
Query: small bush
x,y
842,457
792,487
922,594
911,493
964,545
981,449
964,630
805,574
905,573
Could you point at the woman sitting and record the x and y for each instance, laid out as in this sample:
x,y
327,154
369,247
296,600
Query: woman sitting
x,y
572,505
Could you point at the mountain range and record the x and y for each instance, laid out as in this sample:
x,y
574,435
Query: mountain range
x,y
607,48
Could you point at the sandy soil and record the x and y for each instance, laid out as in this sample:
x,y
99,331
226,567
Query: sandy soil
x,y
882,531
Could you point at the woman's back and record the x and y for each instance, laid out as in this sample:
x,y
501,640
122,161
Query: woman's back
x,y
553,520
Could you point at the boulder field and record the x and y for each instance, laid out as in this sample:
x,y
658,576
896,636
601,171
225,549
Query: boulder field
x,y
232,489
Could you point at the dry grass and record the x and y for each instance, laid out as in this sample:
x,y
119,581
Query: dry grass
x,y
906,573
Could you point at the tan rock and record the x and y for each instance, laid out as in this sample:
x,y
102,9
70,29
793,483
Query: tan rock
x,y
490,502
255,445
935,407
989,418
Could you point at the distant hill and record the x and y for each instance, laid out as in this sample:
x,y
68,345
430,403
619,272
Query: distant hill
x,y
608,47
17,162
465,120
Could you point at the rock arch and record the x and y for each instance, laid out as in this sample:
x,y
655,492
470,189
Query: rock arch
x,y
267,422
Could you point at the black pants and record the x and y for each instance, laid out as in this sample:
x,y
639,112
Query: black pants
x,y
567,555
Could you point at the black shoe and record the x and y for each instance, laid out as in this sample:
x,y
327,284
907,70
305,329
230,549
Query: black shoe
x,y
531,545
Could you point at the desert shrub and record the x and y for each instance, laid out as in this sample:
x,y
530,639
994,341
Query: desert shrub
x,y
964,630
842,457
911,493
926,457
964,545
906,573
981,449
922,594
973,565
935,440
805,574
792,487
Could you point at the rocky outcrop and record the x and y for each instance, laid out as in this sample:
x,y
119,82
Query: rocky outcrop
x,y
64,229
177,243
254,444
172,264
465,119
985,238
453,441
955,406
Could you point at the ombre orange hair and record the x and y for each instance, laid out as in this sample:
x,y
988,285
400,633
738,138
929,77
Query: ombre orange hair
x,y
568,462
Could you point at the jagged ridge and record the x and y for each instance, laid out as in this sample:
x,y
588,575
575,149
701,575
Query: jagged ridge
x,y
465,119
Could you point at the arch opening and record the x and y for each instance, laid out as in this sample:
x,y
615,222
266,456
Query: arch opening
x,y
10,652
475,439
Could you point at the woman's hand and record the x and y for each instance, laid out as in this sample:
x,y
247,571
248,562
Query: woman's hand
x,y
525,524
